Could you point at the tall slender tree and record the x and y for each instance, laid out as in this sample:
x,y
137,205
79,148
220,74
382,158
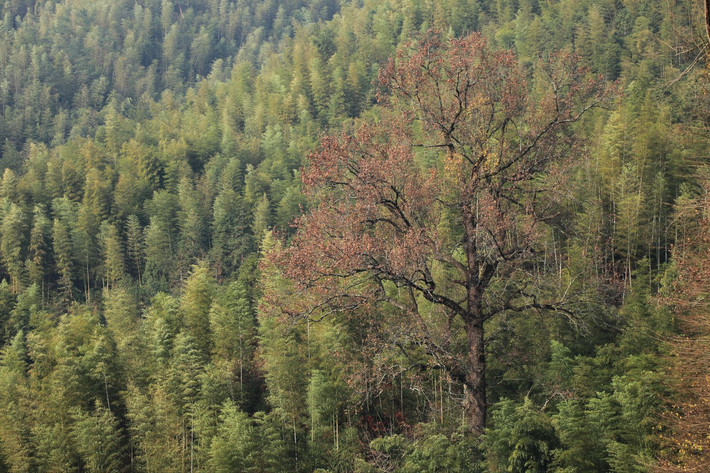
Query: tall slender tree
x,y
12,231
38,251
63,257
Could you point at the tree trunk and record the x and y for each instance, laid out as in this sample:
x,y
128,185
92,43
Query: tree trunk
x,y
475,375
475,370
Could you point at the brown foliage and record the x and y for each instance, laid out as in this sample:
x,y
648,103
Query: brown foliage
x,y
688,441
391,228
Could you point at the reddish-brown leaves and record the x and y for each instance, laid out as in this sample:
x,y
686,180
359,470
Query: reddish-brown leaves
x,y
376,209
379,214
688,438
386,227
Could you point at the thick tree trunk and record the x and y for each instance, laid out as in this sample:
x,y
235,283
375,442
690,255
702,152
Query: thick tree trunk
x,y
475,375
473,323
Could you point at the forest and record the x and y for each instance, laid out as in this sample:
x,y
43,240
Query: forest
x,y
367,236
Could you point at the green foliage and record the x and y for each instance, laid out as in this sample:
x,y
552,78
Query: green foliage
x,y
12,232
195,304
99,440
112,252
63,254
431,452
235,444
148,151
522,438
457,452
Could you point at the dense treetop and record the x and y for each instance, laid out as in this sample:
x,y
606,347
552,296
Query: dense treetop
x,y
160,311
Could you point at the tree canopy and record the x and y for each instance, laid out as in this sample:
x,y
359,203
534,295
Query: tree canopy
x,y
353,236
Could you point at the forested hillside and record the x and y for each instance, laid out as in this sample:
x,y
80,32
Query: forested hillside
x,y
354,236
